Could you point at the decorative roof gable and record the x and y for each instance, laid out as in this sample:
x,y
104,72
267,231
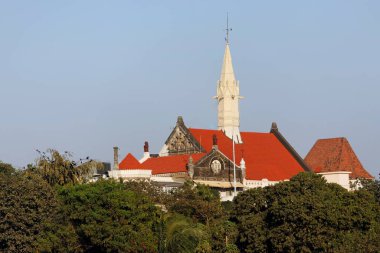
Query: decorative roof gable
x,y
180,140
216,166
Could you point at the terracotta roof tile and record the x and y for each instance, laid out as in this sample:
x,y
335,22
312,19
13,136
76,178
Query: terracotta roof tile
x,y
264,154
129,162
335,154
170,164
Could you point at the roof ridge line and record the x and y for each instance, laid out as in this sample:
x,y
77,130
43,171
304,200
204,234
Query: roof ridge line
x,y
289,147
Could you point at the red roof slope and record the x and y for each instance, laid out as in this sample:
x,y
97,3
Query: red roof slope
x,y
335,154
129,162
170,164
265,156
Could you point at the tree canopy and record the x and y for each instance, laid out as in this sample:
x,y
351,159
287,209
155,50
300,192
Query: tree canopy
x,y
60,169
305,214
51,207
28,203
109,218
203,206
196,201
6,168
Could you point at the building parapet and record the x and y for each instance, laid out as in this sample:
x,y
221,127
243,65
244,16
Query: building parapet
x,y
130,174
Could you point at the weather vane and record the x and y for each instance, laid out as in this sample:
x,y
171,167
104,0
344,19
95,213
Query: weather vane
x,y
228,32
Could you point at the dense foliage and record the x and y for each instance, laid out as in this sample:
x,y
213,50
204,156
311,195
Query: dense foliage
x,y
6,169
60,169
370,186
44,211
202,205
307,215
107,217
28,203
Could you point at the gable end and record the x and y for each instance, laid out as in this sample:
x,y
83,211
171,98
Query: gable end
x,y
181,141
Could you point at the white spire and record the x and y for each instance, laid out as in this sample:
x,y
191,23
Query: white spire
x,y
228,98
227,73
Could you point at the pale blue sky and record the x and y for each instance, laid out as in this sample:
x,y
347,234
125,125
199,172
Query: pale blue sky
x,y
85,76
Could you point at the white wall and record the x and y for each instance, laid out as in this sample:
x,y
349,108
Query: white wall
x,y
130,174
339,177
259,183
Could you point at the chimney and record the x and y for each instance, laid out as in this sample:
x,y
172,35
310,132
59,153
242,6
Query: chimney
x,y
115,158
274,127
214,142
146,153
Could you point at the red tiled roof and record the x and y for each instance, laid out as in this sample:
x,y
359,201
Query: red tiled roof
x,y
265,156
129,162
170,164
335,154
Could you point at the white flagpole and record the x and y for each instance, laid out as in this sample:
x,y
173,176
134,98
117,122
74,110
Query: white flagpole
x,y
233,158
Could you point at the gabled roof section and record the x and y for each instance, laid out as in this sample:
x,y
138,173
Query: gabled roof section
x,y
169,164
181,125
212,153
129,162
266,155
335,154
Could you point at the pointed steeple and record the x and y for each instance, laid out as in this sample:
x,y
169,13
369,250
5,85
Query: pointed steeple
x,y
227,73
228,96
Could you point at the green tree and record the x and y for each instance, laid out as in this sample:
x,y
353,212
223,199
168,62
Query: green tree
x,y
149,190
28,203
198,202
371,186
202,204
109,218
6,168
60,169
58,235
223,235
305,214
364,214
184,235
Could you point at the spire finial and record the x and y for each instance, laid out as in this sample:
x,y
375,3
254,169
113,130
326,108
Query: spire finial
x,y
228,29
